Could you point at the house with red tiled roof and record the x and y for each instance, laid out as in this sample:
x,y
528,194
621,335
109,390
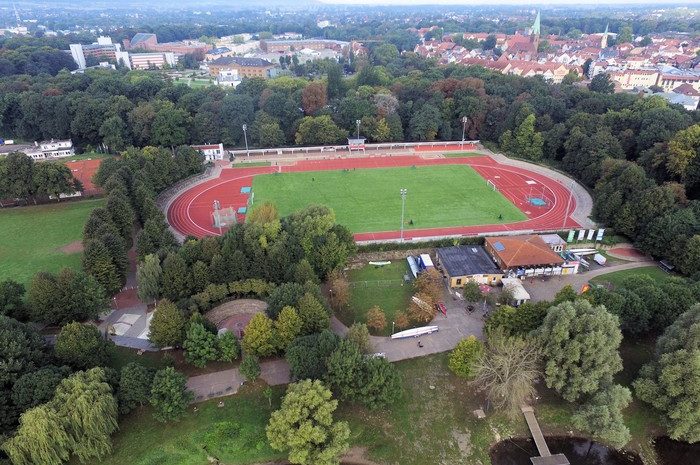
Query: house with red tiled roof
x,y
524,251
687,89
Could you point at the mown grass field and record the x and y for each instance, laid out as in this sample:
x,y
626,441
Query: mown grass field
x,y
368,200
87,156
431,423
31,238
617,277
377,285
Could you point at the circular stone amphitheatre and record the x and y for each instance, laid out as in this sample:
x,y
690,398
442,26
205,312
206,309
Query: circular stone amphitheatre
x,y
502,197
236,314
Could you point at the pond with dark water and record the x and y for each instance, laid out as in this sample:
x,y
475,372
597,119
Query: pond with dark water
x,y
672,452
579,451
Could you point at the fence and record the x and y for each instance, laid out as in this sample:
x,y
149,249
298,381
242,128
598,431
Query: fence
x,y
467,144
164,197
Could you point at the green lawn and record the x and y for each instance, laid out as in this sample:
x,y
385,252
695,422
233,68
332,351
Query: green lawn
x,y
432,422
88,156
31,238
462,154
377,285
234,433
367,200
615,278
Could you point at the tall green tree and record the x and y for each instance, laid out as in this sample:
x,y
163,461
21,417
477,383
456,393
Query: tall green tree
x,y
524,142
319,130
134,386
602,416
169,395
53,179
12,299
200,345
345,367
40,439
671,382
167,326
98,262
37,387
148,278
314,317
259,336
580,345
287,327
464,357
175,281
88,409
81,346
305,428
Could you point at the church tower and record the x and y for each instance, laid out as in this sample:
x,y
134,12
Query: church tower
x,y
535,32
604,39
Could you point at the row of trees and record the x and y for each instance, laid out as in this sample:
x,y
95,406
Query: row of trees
x,y
248,260
22,178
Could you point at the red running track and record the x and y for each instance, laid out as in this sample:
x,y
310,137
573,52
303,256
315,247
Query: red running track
x,y
191,212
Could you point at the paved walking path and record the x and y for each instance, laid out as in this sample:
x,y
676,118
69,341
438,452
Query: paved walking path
x,y
453,328
227,382
546,290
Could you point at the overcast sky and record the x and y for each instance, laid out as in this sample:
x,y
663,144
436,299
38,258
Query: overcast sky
x,y
509,2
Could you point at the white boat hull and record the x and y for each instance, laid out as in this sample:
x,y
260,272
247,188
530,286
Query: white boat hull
x,y
415,332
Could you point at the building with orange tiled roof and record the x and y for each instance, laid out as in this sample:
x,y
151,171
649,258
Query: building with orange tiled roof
x,y
527,251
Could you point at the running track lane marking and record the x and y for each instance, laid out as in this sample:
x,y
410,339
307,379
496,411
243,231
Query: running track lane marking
x,y
510,191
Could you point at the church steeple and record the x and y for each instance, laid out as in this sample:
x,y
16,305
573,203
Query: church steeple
x,y
604,39
535,29
535,32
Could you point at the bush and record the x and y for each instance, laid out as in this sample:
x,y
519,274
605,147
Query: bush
x,y
464,356
250,367
229,347
376,319
359,335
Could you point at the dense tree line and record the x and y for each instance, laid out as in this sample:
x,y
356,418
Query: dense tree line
x,y
639,154
22,178
34,61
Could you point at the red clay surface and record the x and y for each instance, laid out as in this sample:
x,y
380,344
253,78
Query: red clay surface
x,y
82,171
191,212
630,252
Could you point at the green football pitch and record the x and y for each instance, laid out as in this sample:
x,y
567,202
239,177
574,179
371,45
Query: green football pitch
x,y
42,238
368,200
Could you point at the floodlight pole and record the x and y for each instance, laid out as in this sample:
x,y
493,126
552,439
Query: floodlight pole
x,y
392,328
464,128
357,122
245,136
403,208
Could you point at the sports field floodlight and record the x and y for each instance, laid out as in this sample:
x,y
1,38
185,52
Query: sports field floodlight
x,y
357,122
464,128
245,136
403,208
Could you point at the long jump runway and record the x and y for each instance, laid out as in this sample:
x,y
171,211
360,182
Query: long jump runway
x,y
191,212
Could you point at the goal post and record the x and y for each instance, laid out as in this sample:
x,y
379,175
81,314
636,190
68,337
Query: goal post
x,y
491,184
